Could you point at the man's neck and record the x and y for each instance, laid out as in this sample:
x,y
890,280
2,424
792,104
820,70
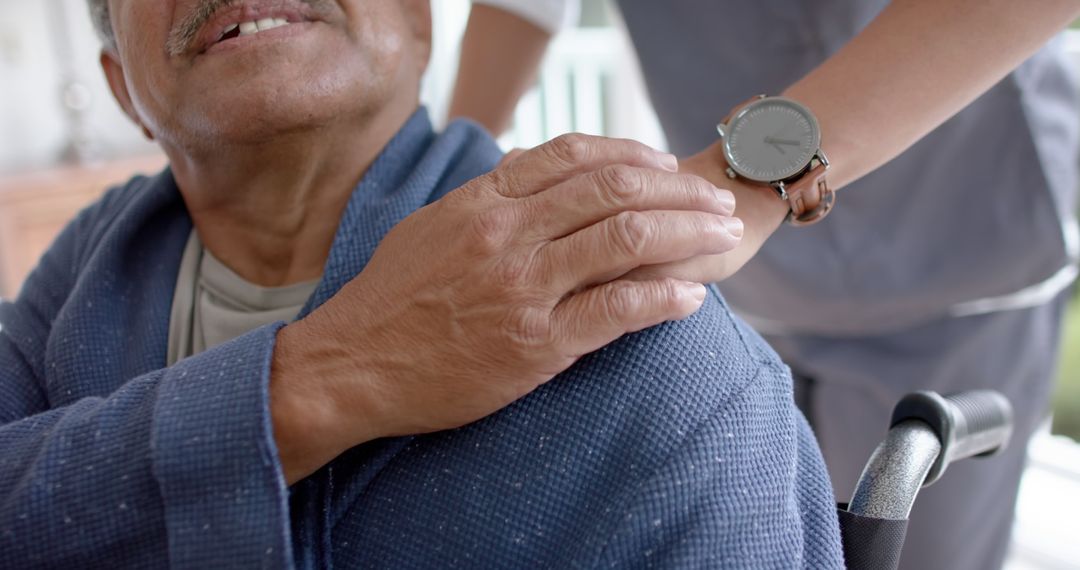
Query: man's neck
x,y
270,211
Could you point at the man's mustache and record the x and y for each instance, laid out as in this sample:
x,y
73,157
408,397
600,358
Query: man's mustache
x,y
184,35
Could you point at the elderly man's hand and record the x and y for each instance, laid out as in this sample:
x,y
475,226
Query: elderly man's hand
x,y
761,210
481,297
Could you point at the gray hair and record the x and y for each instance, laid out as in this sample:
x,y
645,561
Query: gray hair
x,y
99,15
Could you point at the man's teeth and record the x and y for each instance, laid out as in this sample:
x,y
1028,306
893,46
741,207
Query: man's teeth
x,y
249,28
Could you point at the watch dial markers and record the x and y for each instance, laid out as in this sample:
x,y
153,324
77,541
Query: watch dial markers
x,y
773,139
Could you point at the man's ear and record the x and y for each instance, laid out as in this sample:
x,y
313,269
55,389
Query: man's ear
x,y
114,74
418,13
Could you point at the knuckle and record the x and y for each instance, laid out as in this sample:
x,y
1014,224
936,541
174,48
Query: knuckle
x,y
495,182
669,294
714,199
571,148
620,300
473,194
643,152
632,232
622,184
715,230
489,231
527,327
698,187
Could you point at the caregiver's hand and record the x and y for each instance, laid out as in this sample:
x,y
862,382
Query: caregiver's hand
x,y
476,300
760,209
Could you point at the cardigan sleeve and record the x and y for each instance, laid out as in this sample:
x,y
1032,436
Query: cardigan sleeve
x,y
176,467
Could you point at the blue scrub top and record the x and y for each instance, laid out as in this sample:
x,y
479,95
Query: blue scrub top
x,y
977,217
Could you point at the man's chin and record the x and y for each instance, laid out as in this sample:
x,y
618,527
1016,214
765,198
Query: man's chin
x,y
257,116
224,130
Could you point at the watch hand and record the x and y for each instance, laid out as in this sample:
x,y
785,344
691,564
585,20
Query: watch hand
x,y
779,148
775,141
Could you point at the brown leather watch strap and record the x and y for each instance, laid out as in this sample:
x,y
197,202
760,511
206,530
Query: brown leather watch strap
x,y
810,196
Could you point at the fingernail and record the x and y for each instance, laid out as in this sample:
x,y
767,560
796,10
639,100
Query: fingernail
x,y
726,198
697,291
669,162
734,226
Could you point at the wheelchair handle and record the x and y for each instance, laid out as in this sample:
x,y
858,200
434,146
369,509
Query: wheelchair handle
x,y
969,424
927,433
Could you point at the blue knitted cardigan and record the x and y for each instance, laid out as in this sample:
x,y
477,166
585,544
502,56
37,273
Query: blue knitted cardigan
x,y
677,447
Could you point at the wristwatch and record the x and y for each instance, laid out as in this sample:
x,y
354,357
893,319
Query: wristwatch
x,y
777,142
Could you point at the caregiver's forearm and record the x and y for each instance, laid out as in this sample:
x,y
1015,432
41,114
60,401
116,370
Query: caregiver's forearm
x,y
916,65
500,55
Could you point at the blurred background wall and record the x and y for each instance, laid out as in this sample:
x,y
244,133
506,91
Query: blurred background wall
x,y
53,94
63,141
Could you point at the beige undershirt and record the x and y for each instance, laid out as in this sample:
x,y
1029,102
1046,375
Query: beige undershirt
x,y
213,305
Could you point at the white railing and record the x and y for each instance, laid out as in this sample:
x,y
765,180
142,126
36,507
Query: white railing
x,y
589,83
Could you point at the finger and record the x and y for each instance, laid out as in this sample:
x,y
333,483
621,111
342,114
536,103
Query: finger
x,y
589,320
514,153
560,159
590,198
611,248
701,269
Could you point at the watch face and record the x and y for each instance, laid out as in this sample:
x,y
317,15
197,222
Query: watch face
x,y
771,139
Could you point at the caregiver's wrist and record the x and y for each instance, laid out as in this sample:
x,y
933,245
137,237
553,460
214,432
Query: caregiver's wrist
x,y
760,208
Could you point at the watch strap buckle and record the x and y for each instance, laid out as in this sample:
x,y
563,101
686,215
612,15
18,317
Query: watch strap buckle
x,y
810,197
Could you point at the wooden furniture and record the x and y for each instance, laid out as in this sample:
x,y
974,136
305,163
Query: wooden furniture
x,y
35,207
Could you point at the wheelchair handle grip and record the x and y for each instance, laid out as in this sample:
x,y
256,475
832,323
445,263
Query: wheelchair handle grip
x,y
969,424
927,433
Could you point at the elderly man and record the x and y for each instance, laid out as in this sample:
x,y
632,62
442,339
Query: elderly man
x,y
156,410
